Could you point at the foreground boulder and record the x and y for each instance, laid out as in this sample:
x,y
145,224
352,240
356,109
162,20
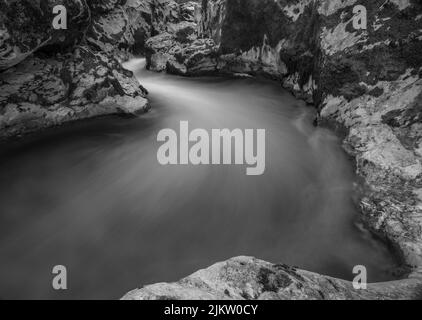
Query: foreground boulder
x,y
246,278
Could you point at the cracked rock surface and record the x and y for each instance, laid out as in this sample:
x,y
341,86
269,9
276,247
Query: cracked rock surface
x,y
246,278
40,93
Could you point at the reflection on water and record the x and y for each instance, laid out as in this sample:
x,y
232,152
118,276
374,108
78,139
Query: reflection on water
x,y
92,196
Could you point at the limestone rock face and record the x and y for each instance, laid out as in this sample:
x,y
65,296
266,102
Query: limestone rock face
x,y
166,53
103,6
54,76
40,93
120,27
176,48
246,278
370,84
257,37
123,27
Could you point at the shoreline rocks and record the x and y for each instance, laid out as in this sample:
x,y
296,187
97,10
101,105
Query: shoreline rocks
x,y
247,278
40,93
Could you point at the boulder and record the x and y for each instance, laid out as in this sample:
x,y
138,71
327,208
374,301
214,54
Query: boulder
x,y
247,278
40,93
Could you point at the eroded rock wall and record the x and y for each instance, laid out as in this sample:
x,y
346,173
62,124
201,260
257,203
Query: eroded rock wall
x,y
165,51
370,84
126,25
40,93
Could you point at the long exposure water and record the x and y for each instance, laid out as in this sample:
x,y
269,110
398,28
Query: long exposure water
x,y
92,196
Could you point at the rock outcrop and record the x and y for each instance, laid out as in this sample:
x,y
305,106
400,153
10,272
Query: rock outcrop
x,y
370,84
178,49
40,93
246,278
366,84
48,76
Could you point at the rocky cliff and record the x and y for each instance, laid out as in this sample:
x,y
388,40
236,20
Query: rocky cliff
x,y
366,84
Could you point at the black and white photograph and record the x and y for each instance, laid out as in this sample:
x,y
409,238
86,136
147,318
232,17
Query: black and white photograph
x,y
229,151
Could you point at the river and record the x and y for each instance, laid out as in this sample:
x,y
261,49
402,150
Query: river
x,y
92,196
